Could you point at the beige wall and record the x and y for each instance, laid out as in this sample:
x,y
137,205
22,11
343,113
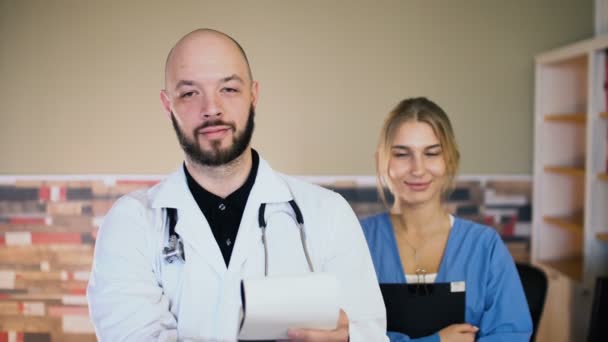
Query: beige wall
x,y
79,80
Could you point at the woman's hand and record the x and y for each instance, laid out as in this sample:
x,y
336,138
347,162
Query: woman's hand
x,y
340,334
458,333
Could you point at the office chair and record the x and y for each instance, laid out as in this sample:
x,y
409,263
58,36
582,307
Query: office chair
x,y
598,327
534,282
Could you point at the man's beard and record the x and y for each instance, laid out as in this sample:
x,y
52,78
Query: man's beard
x,y
216,156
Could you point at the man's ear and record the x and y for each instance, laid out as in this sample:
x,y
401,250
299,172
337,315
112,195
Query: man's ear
x,y
254,93
164,99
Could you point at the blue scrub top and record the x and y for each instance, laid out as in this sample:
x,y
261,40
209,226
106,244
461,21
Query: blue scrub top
x,y
475,254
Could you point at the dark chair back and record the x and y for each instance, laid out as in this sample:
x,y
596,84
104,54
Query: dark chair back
x,y
534,282
598,327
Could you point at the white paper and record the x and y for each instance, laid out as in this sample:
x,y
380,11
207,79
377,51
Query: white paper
x,y
271,305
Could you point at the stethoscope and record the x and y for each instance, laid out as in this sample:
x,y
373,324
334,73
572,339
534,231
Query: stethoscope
x,y
174,250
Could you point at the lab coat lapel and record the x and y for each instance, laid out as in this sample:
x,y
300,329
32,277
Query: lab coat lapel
x,y
192,225
269,187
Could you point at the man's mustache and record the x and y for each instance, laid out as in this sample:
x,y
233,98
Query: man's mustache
x,y
214,123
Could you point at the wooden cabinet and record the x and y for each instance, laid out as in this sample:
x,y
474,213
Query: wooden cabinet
x,y
570,219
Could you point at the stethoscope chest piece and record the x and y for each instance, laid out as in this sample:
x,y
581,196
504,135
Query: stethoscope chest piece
x,y
174,250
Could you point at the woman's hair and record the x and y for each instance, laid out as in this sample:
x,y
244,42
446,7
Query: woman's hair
x,y
418,109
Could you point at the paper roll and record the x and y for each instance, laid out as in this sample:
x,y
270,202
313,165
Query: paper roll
x,y
272,305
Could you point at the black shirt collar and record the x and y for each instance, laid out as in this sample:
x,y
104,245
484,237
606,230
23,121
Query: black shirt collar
x,y
237,199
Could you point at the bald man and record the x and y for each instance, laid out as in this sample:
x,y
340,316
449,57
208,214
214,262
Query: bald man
x,y
144,288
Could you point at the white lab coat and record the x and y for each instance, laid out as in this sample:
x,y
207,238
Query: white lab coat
x,y
135,296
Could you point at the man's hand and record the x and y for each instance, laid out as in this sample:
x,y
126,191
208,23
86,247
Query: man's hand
x,y
340,334
458,333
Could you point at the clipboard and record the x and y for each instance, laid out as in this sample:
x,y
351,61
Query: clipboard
x,y
422,309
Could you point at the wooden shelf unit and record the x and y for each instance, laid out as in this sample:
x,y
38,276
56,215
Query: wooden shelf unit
x,y
570,176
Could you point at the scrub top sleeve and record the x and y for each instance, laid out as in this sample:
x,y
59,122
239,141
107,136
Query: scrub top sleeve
x,y
126,302
506,316
347,257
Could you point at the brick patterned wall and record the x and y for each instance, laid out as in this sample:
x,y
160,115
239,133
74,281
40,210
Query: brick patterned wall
x,y
48,227
47,235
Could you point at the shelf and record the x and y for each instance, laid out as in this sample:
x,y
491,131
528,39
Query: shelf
x,y
602,237
571,223
565,170
576,118
604,115
570,267
603,176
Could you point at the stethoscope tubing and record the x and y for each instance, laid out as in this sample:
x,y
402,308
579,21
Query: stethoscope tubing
x,y
300,223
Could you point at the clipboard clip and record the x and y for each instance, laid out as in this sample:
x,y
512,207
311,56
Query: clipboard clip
x,y
422,288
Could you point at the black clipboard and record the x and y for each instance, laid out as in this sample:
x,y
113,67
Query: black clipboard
x,y
422,309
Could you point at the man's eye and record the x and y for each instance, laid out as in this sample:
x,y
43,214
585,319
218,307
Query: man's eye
x,y
230,90
188,94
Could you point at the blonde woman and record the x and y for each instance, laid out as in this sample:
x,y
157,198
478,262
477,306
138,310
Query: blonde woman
x,y
417,159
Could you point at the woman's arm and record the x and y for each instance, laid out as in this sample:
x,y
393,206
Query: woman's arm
x,y
506,314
